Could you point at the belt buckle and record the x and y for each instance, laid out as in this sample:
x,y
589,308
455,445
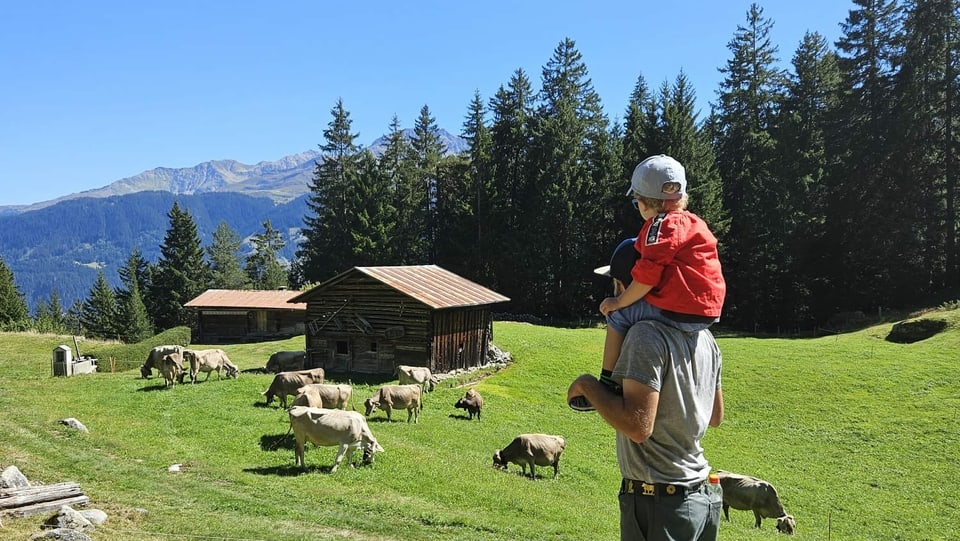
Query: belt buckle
x,y
648,490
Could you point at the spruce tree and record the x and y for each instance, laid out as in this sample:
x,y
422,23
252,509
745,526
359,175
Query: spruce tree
x,y
746,115
133,318
14,314
427,151
571,155
397,166
181,273
327,241
263,268
223,254
99,316
374,217
515,189
482,193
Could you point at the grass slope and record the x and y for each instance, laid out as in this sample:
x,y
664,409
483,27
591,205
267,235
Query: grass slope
x,y
858,434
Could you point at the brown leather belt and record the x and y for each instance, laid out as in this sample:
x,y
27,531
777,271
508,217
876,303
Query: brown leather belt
x,y
687,318
643,488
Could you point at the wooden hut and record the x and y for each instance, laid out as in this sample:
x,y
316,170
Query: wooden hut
x,y
368,320
231,315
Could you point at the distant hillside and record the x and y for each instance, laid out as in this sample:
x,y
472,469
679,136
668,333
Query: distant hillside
x,y
63,246
282,180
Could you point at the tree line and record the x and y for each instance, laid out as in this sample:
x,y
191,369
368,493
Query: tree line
x,y
830,184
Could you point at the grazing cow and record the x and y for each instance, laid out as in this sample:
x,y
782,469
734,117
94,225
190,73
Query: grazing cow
x,y
419,375
533,450
208,360
286,383
751,494
329,427
472,402
170,368
391,397
285,361
322,395
156,355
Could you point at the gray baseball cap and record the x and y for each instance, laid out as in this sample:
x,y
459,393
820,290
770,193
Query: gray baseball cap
x,y
659,177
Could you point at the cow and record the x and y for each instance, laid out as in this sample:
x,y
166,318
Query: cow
x,y
321,395
156,355
287,383
419,375
391,397
329,427
472,402
208,360
533,450
170,368
285,361
751,494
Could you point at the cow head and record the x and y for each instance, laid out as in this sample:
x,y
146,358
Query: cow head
x,y
786,524
371,406
232,372
498,461
368,451
145,372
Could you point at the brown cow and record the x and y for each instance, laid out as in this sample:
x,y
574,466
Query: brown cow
x,y
751,494
419,375
327,427
170,369
533,450
287,383
285,361
156,355
322,395
208,360
472,402
390,397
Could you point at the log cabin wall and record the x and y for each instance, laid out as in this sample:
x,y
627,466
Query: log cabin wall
x,y
361,325
460,338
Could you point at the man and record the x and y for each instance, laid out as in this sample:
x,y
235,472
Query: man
x,y
670,382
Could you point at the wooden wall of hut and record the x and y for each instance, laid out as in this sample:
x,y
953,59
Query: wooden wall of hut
x,y
460,338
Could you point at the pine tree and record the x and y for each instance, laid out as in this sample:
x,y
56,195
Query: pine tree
x,y
514,188
427,151
926,113
746,159
99,315
263,268
223,254
571,153
49,316
14,314
806,117
133,319
482,193
181,273
397,166
327,242
374,217
862,193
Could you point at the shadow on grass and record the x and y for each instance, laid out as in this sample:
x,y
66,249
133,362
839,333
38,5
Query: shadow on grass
x,y
283,471
274,442
459,417
151,388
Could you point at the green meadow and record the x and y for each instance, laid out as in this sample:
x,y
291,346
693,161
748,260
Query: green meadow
x,y
859,435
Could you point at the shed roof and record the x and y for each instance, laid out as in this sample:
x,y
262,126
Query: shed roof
x,y
242,298
434,286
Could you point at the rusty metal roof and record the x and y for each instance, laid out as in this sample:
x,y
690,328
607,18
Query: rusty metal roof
x,y
434,286
242,298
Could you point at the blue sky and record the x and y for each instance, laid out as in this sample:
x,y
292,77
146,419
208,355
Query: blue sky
x,y
96,91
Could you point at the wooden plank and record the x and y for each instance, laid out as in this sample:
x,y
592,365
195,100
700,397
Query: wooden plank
x,y
45,507
16,497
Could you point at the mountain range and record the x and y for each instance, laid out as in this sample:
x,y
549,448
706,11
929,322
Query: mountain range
x,y
61,244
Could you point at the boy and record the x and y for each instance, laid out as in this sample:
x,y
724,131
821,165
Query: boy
x,y
677,279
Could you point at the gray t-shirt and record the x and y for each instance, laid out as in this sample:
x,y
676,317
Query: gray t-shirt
x,y
685,369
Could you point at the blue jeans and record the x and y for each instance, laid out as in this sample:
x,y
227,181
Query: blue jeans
x,y
669,518
621,320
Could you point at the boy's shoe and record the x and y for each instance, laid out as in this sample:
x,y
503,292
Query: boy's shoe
x,y
580,403
614,387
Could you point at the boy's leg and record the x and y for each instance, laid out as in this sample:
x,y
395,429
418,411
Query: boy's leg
x,y
611,352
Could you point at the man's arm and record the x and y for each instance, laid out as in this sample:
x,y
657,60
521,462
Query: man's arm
x,y
632,414
717,416
633,293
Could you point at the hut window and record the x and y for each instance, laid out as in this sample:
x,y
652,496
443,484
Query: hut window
x,y
343,348
373,347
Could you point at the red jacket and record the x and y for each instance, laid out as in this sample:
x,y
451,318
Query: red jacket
x,y
678,257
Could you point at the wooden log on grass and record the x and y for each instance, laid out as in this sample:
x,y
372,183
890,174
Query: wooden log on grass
x,y
25,501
